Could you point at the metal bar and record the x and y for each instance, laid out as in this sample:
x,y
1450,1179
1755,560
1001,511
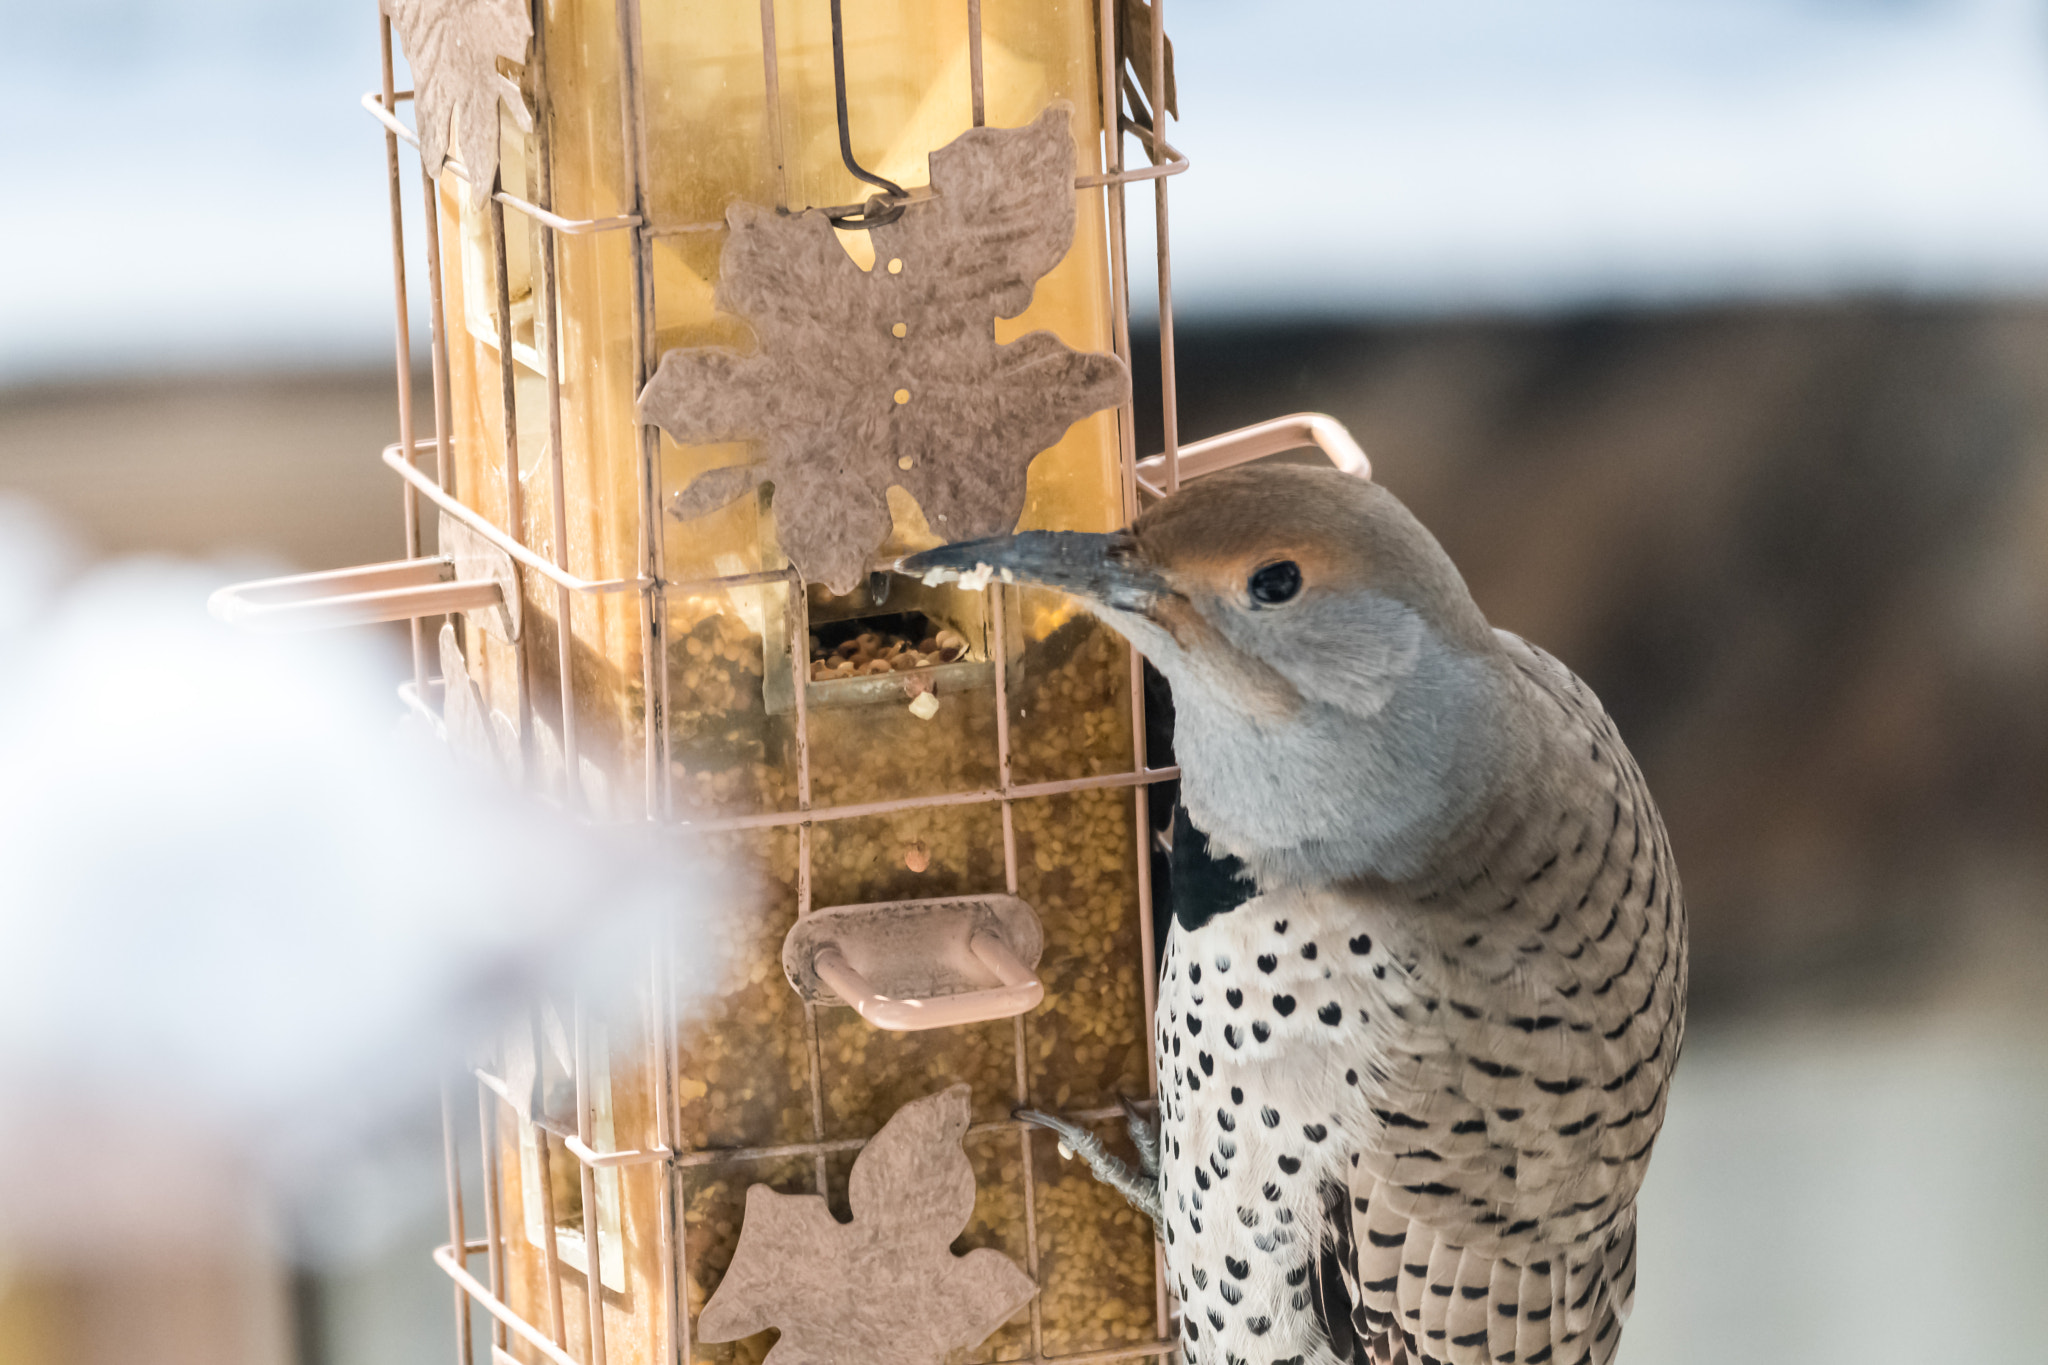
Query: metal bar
x,y
544,1169
1232,448
728,1156
469,517
574,227
856,810
771,80
975,87
1169,427
593,1224
404,341
515,492
323,610
605,1161
798,614
494,1243
661,1049
999,652
445,1258
653,602
547,322
452,1169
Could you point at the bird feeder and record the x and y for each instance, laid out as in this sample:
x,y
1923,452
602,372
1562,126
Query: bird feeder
x,y
731,304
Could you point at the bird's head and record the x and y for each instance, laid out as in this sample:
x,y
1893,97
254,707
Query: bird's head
x,y
1324,654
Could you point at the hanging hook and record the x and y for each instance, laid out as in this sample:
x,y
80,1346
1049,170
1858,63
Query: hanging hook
x,y
880,209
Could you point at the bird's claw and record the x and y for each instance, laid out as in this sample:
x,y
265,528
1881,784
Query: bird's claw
x,y
1139,1187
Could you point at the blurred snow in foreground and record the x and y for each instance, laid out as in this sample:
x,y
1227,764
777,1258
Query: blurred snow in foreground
x,y
249,922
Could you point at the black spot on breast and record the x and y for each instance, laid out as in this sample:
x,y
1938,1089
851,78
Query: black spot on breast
x,y
1473,1291
1469,1011
1267,962
1201,1278
1195,973
1290,1165
1176,1045
1208,1064
1472,940
1226,1147
1196,1224
1314,1132
1258,1325
1297,1276
1230,1293
1394,1118
1279,926
1283,1005
1216,1164
1248,1217
1500,1070
1226,1120
1194,1023
1469,1126
1508,1115
1239,1270
1379,973
1194,1083
1235,997
1331,1013
1308,951
1201,1177
1215,1319
1222,964
1564,1087
1261,1030
1387,1239
1270,1117
1362,944
1351,1076
1270,1190
1442,1291
1236,1094
1232,1036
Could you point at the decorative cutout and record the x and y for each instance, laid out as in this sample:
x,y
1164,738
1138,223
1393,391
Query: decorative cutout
x,y
453,48
885,1286
865,379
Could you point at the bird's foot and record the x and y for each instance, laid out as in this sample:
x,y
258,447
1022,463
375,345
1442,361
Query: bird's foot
x,y
1139,1187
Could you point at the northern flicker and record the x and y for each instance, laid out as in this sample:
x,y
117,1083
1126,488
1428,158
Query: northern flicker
x,y
1409,1079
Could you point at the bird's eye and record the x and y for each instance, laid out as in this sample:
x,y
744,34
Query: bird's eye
x,y
1272,584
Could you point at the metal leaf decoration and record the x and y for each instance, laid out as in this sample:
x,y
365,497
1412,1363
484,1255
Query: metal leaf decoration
x,y
865,379
453,48
886,1286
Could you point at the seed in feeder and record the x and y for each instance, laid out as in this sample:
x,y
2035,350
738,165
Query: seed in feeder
x,y
878,666
917,857
927,645
903,663
867,642
847,649
899,330
924,706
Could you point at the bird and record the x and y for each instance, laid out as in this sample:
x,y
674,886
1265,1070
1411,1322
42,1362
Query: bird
x,y
1417,1024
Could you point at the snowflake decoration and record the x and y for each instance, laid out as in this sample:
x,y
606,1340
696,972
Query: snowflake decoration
x,y
453,48
865,379
886,1286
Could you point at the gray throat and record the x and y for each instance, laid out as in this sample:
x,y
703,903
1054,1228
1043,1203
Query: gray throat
x,y
1329,794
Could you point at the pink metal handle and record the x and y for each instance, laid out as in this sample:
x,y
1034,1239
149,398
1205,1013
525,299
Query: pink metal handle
x,y
1019,992
1317,429
397,591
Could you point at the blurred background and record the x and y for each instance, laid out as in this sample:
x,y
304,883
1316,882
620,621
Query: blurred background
x,y
1710,336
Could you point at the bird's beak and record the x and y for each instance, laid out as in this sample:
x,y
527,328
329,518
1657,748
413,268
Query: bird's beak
x,y
1106,569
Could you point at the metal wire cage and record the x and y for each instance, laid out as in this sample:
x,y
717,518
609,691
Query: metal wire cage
x,y
635,669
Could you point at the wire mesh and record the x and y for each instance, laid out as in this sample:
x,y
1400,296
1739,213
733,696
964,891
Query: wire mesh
x,y
420,491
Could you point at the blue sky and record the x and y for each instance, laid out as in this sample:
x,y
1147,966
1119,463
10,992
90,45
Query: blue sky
x,y
189,182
